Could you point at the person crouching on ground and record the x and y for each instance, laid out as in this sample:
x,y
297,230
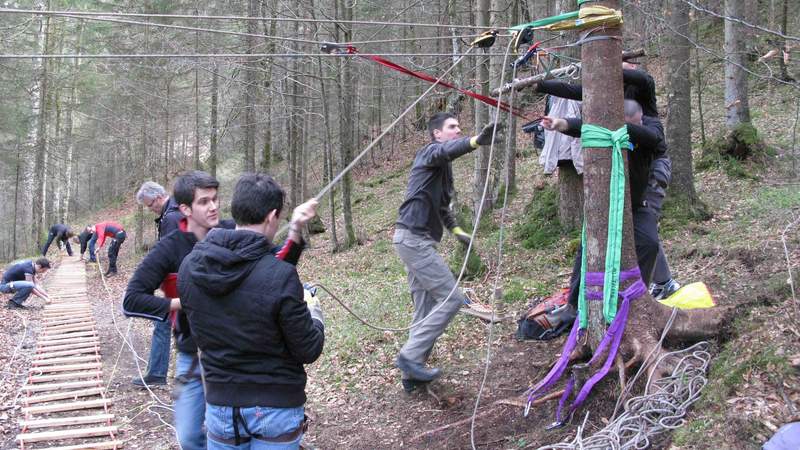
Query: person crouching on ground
x,y
20,280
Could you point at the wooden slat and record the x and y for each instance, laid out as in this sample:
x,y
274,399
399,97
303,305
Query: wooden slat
x,y
67,321
62,396
77,351
66,360
71,406
66,368
65,421
65,376
58,348
66,434
93,446
75,340
60,386
56,337
86,326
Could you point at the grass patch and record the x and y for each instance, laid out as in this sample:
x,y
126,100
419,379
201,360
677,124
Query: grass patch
x,y
679,212
729,369
740,154
540,228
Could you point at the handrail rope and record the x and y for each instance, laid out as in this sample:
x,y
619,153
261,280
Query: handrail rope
x,y
246,18
160,403
498,271
228,55
469,246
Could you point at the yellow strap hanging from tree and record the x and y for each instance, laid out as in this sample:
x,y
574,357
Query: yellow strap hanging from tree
x,y
588,17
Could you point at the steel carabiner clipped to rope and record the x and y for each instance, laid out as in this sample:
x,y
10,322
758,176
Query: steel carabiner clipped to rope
x,y
333,48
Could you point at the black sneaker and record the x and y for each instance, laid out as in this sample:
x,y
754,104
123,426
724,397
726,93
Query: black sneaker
x,y
149,380
14,305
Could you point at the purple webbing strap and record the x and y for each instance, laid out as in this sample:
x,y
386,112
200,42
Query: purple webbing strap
x,y
614,334
558,368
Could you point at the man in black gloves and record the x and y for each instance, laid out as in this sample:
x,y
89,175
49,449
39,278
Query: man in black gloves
x,y
418,231
248,316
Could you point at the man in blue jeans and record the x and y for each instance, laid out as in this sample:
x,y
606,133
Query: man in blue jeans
x,y
249,319
196,194
155,198
20,280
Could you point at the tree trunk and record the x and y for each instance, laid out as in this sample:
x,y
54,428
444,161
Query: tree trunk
x,y
482,118
782,42
68,138
679,100
602,106
328,176
699,87
347,96
736,103
270,30
212,147
250,91
16,203
41,137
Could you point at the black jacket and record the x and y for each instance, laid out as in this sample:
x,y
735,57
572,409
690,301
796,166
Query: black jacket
x,y
248,317
638,85
430,189
84,239
163,259
169,219
648,145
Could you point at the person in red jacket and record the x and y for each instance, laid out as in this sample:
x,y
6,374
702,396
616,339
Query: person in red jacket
x,y
101,231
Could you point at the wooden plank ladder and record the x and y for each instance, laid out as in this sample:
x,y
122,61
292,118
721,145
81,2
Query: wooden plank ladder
x,y
64,404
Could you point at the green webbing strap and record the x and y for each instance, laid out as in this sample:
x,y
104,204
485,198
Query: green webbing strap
x,y
593,136
583,311
547,20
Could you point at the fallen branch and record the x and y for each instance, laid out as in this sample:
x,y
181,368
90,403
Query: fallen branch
x,y
495,406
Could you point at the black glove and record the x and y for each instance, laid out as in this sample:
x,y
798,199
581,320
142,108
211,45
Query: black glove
x,y
485,136
461,235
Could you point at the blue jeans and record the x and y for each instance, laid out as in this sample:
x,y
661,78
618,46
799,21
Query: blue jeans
x,y
158,364
190,404
261,421
21,289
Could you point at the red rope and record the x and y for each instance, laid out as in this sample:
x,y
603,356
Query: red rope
x,y
422,76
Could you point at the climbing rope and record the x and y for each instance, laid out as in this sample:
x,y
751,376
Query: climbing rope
x,y
661,408
126,343
472,237
498,270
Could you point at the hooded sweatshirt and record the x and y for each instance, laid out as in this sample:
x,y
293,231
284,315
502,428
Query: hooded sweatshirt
x,y
248,317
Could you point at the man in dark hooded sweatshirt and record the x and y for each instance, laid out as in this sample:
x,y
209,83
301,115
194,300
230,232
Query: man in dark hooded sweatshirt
x,y
255,332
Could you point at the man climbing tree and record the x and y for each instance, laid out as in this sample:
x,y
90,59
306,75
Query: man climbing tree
x,y
418,232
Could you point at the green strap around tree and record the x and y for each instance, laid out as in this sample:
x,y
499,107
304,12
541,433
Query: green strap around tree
x,y
547,21
593,136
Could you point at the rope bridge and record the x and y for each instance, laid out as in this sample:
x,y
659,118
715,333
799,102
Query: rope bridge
x,y
64,404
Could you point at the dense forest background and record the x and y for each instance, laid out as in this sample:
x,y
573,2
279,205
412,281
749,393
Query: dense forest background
x,y
83,128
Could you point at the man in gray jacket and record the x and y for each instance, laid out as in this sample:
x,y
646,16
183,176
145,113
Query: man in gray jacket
x,y
418,231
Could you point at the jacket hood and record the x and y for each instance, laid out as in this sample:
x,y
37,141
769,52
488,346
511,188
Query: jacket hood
x,y
225,258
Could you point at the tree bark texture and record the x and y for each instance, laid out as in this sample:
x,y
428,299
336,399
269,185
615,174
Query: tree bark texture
x,y
347,127
736,102
482,117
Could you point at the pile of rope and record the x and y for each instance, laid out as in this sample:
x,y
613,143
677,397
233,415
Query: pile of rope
x,y
661,408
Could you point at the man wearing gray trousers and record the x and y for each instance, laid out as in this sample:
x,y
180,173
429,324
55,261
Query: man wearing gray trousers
x,y
417,233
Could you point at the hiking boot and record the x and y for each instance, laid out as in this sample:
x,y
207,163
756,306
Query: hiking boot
x,y
416,371
149,380
110,273
660,291
410,385
14,305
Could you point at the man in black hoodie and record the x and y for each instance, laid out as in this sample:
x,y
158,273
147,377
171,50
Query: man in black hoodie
x,y
83,239
249,319
196,194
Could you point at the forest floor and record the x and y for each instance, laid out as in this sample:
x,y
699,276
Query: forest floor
x,y
355,398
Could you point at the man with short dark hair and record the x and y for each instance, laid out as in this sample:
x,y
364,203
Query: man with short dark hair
x,y
59,233
155,198
418,232
248,316
20,280
101,231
